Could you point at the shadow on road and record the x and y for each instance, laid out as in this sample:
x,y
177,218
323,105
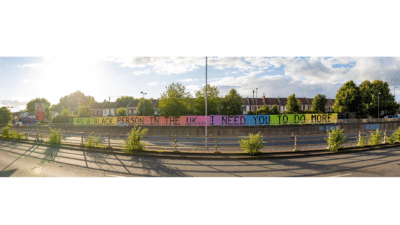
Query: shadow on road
x,y
7,173
156,165
49,155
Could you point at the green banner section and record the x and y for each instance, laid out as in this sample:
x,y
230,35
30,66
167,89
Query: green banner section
x,y
83,121
287,119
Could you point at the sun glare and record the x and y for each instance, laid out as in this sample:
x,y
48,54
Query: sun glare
x,y
62,76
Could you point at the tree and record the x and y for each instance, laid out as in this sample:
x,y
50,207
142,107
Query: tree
x,y
318,103
73,100
293,104
174,101
232,104
5,116
264,110
30,106
148,108
213,101
121,111
274,110
369,93
84,111
347,98
125,99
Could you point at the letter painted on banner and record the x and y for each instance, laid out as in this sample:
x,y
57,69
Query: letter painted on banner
x,y
262,120
83,121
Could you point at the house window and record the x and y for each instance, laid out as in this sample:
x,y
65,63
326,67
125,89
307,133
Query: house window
x,y
247,108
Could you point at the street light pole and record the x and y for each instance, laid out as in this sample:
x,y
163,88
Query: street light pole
x,y
206,109
143,102
256,106
378,104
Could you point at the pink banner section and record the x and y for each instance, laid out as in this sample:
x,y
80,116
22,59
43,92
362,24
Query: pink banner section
x,y
197,121
239,120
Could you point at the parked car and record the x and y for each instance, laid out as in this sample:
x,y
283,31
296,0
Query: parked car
x,y
122,124
18,124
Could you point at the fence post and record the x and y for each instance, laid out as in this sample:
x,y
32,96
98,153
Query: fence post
x,y
109,145
384,137
175,145
295,143
329,140
81,138
359,137
216,145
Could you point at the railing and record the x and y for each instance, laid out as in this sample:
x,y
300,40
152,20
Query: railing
x,y
181,143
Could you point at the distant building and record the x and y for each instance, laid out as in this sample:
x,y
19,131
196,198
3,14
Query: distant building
x,y
252,104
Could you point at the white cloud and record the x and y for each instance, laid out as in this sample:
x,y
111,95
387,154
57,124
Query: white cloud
x,y
188,80
152,84
141,72
32,65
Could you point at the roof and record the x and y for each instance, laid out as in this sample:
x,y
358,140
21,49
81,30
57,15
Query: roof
x,y
97,105
110,105
136,103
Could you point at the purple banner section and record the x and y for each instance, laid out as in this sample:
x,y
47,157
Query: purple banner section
x,y
239,120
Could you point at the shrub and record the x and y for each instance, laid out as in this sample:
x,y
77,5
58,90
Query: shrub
x,y
375,138
93,142
133,142
391,139
55,137
5,132
336,139
396,135
362,142
251,144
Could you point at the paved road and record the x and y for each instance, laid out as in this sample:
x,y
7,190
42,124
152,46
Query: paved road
x,y
25,160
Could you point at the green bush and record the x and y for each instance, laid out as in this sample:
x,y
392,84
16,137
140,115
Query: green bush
x,y
336,139
362,142
252,144
55,137
133,142
396,135
93,142
5,132
392,139
375,138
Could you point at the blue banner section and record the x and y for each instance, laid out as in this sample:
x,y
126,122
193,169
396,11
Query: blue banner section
x,y
261,120
372,126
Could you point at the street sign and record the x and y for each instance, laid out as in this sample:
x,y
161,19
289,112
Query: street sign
x,y
40,111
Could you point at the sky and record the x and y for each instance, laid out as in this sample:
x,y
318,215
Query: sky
x,y
26,78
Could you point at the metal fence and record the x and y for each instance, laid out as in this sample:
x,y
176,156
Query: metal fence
x,y
193,144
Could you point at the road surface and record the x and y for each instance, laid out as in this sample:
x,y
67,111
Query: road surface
x,y
26,160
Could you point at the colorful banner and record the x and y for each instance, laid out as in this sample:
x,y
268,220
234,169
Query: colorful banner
x,y
212,120
286,119
105,121
260,120
83,121
321,118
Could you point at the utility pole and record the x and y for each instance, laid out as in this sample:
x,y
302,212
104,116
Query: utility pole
x,y
378,104
206,108
143,104
256,106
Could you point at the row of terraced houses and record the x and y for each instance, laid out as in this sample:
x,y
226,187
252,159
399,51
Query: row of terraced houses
x,y
249,104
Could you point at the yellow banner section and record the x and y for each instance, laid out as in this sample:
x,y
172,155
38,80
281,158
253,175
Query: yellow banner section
x,y
105,121
322,118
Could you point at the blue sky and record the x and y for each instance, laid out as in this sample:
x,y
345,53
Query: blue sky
x,y
25,78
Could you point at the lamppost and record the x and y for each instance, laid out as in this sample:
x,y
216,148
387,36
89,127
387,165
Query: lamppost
x,y
143,104
256,106
378,104
205,142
